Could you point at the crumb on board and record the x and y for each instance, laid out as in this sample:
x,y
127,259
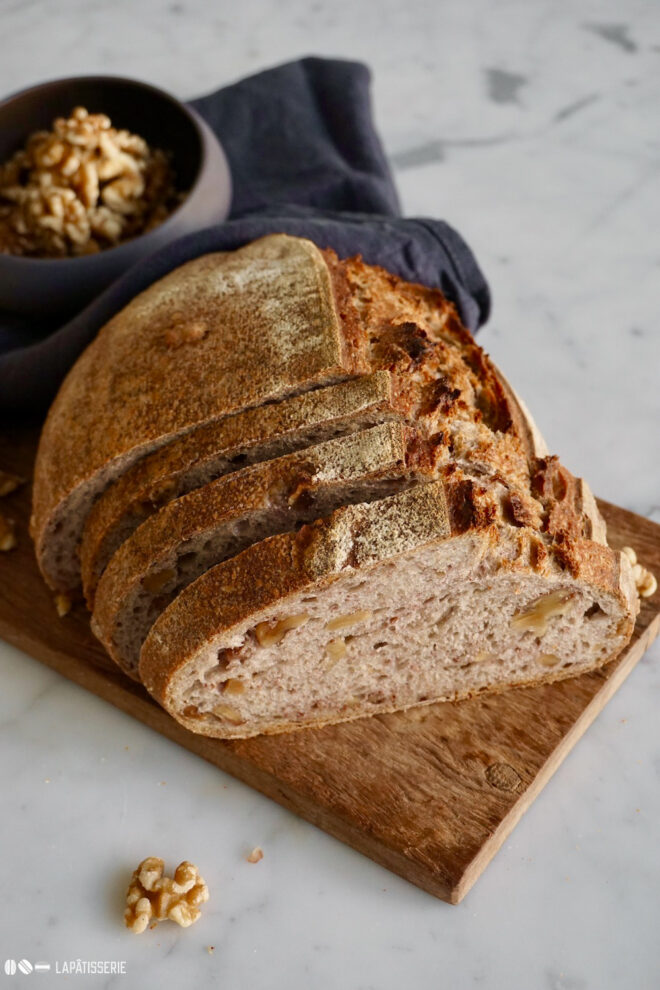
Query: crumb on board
x,y
9,483
7,535
63,604
256,854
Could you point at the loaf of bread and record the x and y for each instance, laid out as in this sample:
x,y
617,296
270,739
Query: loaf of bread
x,y
296,491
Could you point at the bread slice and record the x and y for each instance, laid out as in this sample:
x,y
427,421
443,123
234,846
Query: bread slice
x,y
221,447
220,334
385,606
190,534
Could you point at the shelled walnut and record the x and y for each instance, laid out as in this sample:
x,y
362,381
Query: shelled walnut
x,y
152,897
271,633
645,581
81,187
535,617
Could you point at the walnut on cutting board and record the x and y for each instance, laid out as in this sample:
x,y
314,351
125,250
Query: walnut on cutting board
x,y
645,581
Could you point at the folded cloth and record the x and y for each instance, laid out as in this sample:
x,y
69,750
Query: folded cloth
x,y
305,160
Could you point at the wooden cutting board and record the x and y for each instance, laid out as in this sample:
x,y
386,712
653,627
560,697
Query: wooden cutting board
x,y
430,794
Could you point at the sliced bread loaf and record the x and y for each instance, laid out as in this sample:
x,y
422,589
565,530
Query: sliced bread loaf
x,y
194,532
425,596
437,379
219,448
220,334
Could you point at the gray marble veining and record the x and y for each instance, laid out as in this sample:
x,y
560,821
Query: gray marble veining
x,y
532,127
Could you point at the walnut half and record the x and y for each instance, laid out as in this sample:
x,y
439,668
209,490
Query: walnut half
x,y
535,617
271,633
152,897
645,581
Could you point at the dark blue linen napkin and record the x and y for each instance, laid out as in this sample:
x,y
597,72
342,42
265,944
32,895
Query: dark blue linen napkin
x,y
305,160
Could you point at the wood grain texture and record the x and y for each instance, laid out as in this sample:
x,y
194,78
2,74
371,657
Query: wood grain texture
x,y
430,794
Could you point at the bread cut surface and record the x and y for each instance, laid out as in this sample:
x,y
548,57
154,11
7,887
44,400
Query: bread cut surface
x,y
382,607
222,333
198,530
220,447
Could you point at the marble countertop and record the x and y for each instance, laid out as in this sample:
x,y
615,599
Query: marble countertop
x,y
532,127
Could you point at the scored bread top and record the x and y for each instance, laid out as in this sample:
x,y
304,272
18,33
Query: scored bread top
x,y
440,381
232,332
221,333
222,446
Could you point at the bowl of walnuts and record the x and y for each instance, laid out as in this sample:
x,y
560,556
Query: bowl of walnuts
x,y
97,172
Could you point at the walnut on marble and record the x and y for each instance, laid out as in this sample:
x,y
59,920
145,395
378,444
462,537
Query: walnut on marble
x,y
152,897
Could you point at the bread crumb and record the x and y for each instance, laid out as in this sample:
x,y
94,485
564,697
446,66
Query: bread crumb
x,y
63,604
9,483
7,535
256,854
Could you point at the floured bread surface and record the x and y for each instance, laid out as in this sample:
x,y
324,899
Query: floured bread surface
x,y
336,628
223,446
221,333
194,532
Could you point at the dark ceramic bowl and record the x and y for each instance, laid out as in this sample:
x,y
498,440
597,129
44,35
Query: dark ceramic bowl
x,y
39,285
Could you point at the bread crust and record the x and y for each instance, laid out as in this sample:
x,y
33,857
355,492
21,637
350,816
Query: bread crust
x,y
525,424
145,378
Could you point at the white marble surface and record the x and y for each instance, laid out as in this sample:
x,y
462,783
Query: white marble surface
x,y
532,126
